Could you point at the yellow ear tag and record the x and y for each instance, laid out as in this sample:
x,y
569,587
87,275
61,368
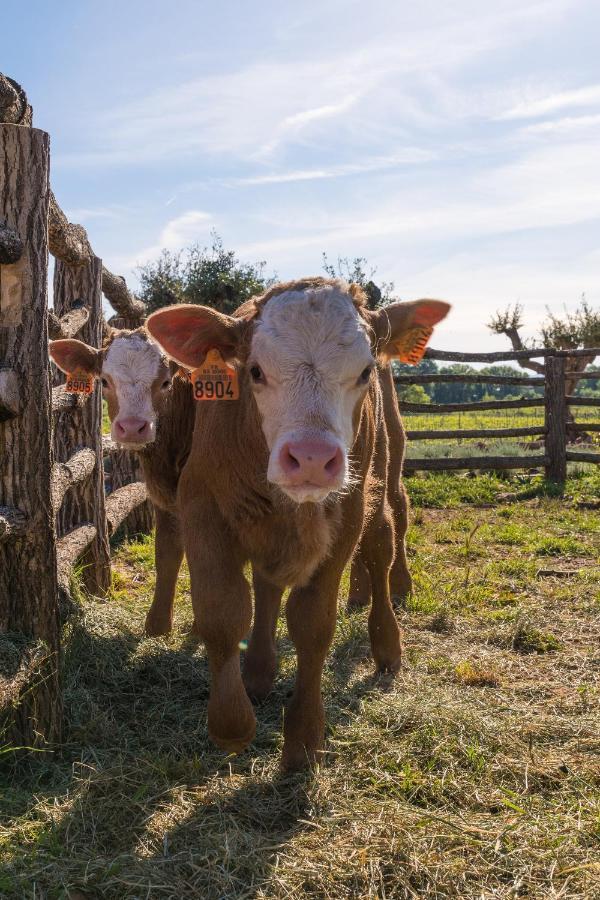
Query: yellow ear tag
x,y
410,346
79,383
215,379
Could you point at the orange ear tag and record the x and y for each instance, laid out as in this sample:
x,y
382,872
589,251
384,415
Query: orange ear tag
x,y
215,379
79,383
410,346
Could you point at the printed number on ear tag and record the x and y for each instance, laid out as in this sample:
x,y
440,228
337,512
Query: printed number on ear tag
x,y
215,379
410,346
79,383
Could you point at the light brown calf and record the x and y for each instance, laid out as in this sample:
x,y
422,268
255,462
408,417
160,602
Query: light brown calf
x,y
289,477
400,580
151,409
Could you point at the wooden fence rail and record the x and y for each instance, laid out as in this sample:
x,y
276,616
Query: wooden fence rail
x,y
555,401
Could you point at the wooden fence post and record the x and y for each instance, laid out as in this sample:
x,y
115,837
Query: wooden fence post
x,y
83,427
28,581
556,419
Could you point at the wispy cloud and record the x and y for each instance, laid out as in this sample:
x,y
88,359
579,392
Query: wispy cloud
x,y
337,97
455,146
88,214
409,156
188,228
566,125
320,112
542,106
511,198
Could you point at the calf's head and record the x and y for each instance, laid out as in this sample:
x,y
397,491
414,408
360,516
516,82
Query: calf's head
x,y
135,378
308,350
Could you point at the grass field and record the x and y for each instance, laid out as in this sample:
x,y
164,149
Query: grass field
x,y
474,774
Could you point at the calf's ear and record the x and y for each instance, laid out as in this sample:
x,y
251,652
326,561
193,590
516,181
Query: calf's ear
x,y
402,330
187,332
75,356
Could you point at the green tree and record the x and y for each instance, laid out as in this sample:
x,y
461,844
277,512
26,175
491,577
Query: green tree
x,y
504,391
412,393
572,331
212,276
359,271
576,330
457,392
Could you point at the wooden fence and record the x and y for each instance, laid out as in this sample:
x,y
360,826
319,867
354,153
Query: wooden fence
x,y
555,402
53,509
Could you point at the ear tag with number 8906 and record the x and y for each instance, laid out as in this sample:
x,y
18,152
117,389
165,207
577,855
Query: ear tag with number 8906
x,y
79,383
215,379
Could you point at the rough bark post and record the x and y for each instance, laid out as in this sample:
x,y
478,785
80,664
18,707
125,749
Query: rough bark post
x,y
556,419
83,427
125,466
28,587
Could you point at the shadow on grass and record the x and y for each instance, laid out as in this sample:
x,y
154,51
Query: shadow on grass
x,y
137,786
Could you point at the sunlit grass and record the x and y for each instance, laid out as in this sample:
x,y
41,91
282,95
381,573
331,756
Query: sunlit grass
x,y
472,772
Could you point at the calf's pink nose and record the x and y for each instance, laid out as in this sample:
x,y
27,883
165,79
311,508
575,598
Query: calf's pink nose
x,y
132,430
311,462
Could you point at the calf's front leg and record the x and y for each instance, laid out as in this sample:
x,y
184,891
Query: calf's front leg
x,y
311,615
223,612
359,594
260,662
168,555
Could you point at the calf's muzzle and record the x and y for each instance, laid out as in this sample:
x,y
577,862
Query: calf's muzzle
x,y
132,430
311,461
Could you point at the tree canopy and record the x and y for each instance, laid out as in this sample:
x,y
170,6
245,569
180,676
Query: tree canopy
x,y
212,276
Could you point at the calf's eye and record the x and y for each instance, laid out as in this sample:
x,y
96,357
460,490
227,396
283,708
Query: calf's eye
x,y
364,376
166,384
256,375
104,382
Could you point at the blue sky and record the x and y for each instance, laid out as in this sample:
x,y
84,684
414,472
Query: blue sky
x,y
456,146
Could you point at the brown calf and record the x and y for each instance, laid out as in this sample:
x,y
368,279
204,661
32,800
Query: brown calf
x,y
289,477
151,409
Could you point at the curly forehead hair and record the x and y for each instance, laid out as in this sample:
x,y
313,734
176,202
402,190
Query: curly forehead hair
x,y
356,293
132,334
115,333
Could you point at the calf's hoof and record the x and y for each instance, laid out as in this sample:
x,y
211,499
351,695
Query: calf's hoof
x,y
298,758
358,601
258,686
258,679
388,663
233,732
233,743
304,735
155,626
399,599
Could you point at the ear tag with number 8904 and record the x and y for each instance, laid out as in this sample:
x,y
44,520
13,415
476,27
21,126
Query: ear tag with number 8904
x,y
79,383
215,379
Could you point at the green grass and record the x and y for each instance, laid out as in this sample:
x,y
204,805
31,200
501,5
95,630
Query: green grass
x,y
105,419
473,774
510,418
